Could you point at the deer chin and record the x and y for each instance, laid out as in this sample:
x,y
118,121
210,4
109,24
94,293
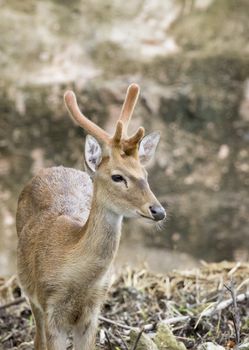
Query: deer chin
x,y
126,213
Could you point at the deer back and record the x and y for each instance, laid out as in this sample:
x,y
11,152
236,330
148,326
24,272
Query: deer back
x,y
58,191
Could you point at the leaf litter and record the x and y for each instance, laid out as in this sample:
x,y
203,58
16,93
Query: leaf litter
x,y
210,303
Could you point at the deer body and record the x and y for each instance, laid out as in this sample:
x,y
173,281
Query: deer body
x,y
69,231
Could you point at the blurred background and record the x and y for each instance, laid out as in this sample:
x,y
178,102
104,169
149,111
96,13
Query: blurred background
x,y
191,59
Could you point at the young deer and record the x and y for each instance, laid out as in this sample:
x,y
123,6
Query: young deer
x,y
69,228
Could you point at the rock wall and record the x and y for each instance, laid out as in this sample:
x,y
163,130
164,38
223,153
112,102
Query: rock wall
x,y
190,58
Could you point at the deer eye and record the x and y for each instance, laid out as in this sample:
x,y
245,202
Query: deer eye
x,y
117,178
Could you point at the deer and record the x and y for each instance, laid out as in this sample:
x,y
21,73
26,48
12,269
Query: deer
x,y
69,225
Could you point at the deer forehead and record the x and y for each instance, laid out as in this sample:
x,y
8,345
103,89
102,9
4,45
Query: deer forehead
x,y
128,166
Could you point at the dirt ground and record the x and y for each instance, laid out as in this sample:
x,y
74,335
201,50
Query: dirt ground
x,y
200,305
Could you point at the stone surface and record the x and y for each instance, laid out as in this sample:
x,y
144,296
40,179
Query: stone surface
x,y
245,345
194,89
210,346
165,339
145,342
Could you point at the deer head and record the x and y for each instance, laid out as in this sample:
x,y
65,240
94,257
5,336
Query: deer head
x,y
118,161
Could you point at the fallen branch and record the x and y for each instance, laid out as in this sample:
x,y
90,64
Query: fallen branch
x,y
210,311
14,302
221,306
224,304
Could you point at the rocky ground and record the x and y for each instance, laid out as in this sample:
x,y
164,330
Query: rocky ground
x,y
145,311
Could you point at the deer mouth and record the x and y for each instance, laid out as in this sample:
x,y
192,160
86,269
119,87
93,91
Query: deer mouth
x,y
145,216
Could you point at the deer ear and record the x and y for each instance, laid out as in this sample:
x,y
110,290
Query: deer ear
x,y
148,147
93,153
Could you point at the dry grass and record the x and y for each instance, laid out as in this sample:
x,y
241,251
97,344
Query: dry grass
x,y
196,303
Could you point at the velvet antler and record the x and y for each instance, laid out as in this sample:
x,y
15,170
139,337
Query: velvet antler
x,y
119,139
129,105
85,123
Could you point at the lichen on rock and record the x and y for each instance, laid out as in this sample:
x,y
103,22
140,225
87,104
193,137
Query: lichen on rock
x,y
165,339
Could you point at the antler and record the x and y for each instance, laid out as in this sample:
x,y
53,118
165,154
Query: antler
x,y
130,145
120,136
129,105
85,123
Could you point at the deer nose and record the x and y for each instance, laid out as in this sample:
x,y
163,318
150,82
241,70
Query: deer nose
x,y
158,212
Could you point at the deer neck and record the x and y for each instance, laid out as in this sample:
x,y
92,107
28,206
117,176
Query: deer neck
x,y
102,230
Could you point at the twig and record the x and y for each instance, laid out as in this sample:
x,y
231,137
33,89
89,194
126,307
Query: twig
x,y
234,269
137,340
108,340
8,283
14,302
177,319
26,345
122,340
116,339
235,314
7,337
148,327
246,281
124,326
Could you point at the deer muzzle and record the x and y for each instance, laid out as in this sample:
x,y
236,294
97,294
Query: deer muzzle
x,y
157,212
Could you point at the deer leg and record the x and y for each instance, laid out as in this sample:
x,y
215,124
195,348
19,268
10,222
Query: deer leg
x,y
40,336
84,333
55,337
